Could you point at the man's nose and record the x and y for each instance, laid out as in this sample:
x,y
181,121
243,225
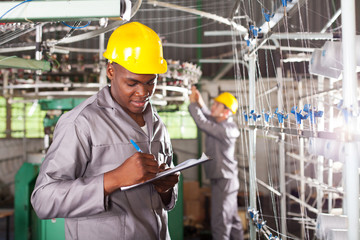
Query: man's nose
x,y
143,90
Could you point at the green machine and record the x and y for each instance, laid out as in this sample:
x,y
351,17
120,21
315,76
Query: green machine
x,y
27,225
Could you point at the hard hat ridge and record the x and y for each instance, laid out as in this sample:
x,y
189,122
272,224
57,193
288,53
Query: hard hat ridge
x,y
137,48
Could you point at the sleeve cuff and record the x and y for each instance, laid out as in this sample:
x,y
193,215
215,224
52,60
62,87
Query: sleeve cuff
x,y
174,197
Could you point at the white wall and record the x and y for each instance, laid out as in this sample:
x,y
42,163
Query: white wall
x,y
13,153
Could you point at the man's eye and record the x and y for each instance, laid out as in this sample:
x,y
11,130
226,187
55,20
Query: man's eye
x,y
131,84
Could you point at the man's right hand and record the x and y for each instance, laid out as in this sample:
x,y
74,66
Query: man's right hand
x,y
138,168
195,97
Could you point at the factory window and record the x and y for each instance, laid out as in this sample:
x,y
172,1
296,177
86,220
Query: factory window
x,y
179,124
33,119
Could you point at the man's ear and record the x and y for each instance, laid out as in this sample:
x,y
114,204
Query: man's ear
x,y
226,112
110,71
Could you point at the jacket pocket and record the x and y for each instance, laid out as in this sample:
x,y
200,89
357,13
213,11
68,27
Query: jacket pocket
x,y
106,228
165,153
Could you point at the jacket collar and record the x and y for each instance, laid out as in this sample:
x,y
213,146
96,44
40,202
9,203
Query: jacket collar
x,y
105,100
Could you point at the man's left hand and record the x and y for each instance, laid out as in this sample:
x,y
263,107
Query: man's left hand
x,y
165,184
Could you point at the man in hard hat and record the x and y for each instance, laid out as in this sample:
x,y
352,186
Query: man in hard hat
x,y
112,140
221,134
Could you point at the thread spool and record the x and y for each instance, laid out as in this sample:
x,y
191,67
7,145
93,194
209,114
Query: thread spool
x,y
332,150
316,146
326,222
332,55
336,211
337,234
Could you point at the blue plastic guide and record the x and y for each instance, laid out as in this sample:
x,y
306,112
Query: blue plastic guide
x,y
136,146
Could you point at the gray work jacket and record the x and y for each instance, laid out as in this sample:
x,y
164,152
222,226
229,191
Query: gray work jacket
x,y
219,142
90,140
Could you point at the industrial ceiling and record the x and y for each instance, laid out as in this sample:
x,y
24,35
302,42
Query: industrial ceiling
x,y
214,35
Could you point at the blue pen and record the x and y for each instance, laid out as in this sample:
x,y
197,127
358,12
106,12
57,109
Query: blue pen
x,y
136,146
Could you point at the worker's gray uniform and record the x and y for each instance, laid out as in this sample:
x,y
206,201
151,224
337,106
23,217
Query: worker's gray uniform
x,y
222,172
90,140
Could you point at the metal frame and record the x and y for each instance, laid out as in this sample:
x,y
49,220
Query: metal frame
x,y
38,11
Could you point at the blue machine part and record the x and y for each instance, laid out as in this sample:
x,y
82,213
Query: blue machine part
x,y
267,15
281,116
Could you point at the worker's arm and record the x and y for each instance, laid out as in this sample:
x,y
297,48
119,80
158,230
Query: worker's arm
x,y
201,115
61,189
217,130
195,97
139,168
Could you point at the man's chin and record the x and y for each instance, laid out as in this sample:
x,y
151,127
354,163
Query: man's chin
x,y
139,109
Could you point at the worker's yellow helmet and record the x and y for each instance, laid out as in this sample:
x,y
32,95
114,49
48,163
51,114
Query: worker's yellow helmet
x,y
137,48
228,100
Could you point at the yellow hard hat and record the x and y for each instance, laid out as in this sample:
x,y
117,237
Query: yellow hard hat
x,y
228,100
137,48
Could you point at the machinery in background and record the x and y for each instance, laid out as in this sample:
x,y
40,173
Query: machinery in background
x,y
174,86
55,108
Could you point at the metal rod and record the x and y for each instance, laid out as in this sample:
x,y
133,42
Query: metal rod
x,y
331,90
222,72
38,53
268,187
314,183
17,49
282,171
282,165
52,85
61,93
320,159
252,142
302,166
330,161
269,91
328,24
330,183
287,48
299,157
102,75
310,208
231,60
350,101
302,182
303,36
198,45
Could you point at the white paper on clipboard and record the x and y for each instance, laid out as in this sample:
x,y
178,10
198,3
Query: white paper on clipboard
x,y
182,166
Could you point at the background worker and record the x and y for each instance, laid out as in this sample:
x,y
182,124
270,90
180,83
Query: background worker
x,y
91,156
221,134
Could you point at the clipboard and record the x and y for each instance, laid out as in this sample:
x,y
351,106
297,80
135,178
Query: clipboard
x,y
182,166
